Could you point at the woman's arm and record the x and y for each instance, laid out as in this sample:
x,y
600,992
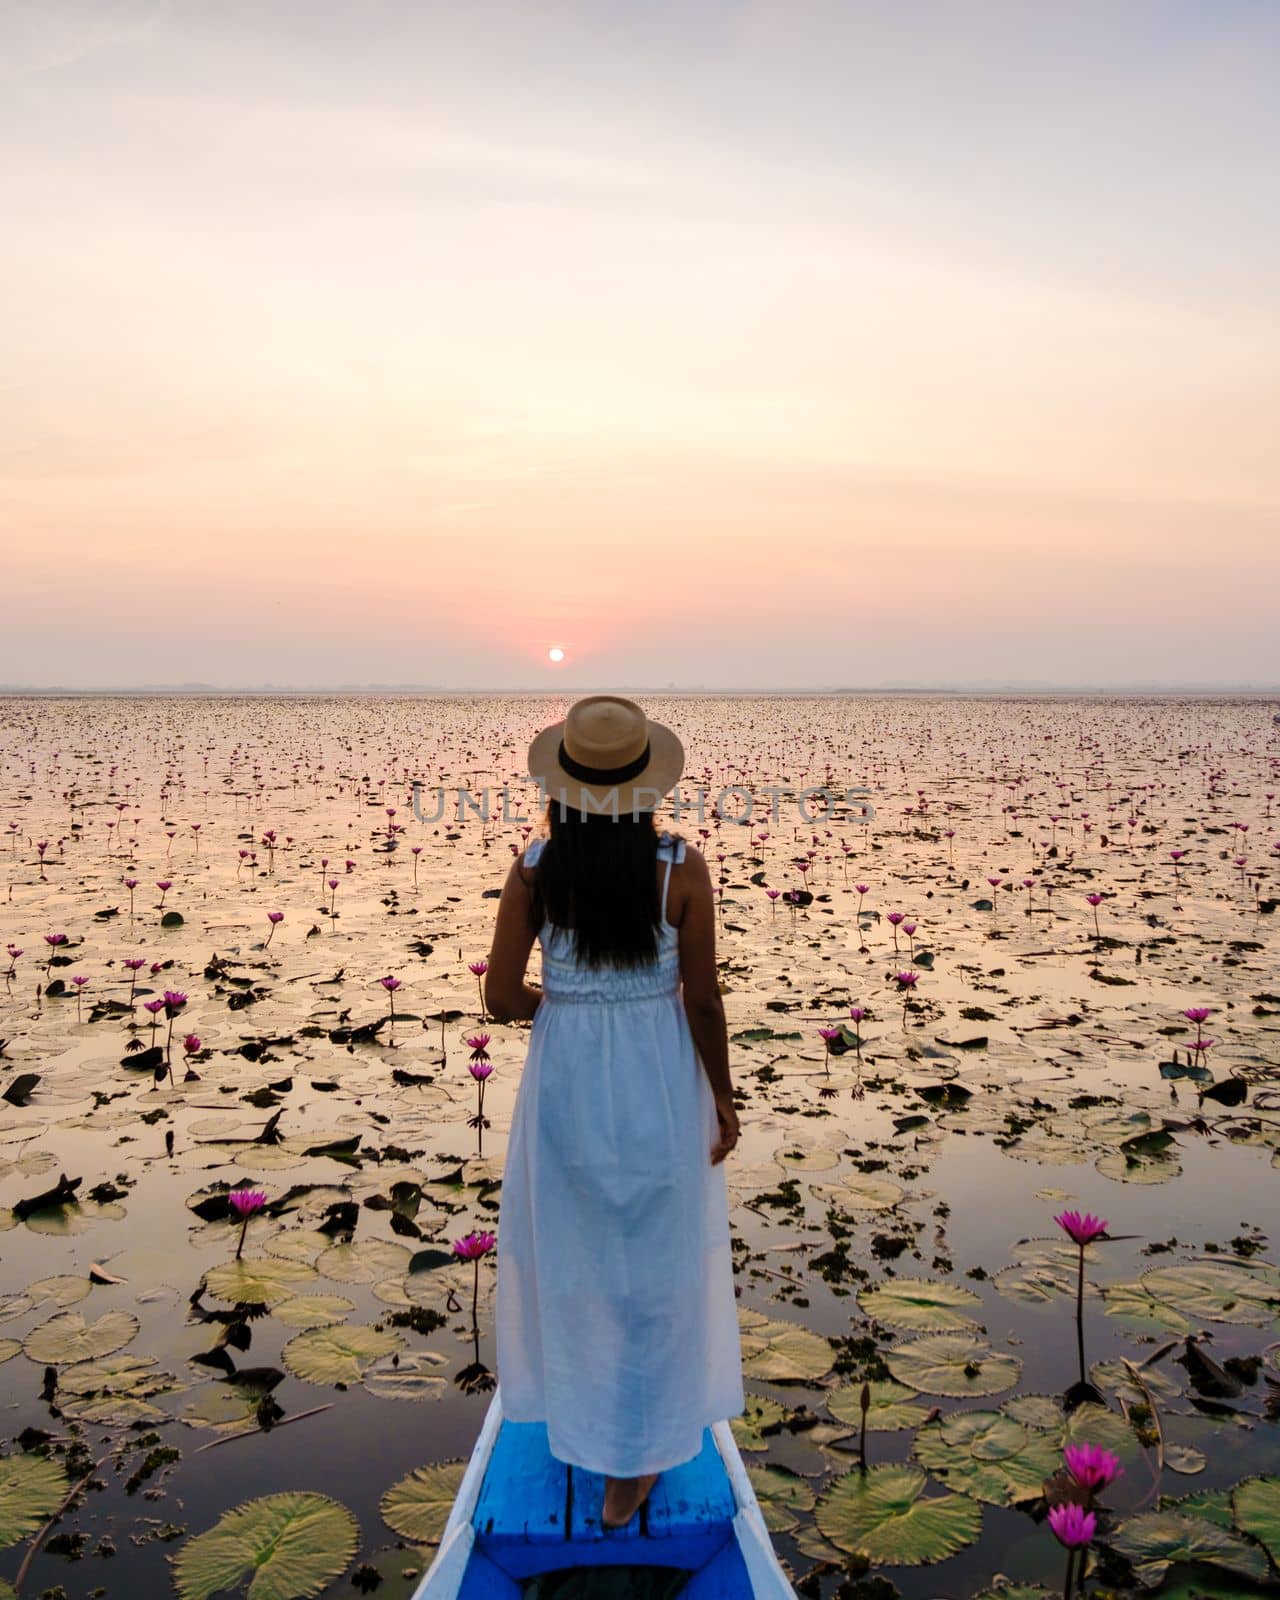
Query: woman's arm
x,y
506,995
702,1003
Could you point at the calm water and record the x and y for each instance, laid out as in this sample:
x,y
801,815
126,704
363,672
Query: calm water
x,y
1024,1077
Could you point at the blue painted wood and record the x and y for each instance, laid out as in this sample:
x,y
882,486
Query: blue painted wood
x,y
519,1519
484,1580
535,1514
683,1523
725,1577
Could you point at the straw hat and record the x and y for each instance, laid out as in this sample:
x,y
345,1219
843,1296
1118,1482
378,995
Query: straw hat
x,y
606,756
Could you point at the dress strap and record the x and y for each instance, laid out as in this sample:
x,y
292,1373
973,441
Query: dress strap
x,y
532,851
672,852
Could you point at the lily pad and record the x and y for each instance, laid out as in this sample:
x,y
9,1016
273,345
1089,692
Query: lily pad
x,y
31,1490
287,1547
952,1364
759,1412
892,1406
783,1352
419,1505
990,1456
1256,1504
1219,1291
257,1280
337,1354
68,1337
1155,1540
782,1493
919,1305
883,1514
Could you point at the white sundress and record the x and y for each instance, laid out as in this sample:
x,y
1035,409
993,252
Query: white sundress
x,y
616,1321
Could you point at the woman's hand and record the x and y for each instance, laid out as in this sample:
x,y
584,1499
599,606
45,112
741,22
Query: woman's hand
x,y
727,1117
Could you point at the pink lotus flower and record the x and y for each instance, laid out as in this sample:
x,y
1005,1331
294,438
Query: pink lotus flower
x,y
274,918
856,1013
390,984
479,1042
191,1043
895,917
828,1034
1083,1229
473,1245
906,980
480,1068
1091,1466
1197,1013
174,1000
153,1006
1095,899
245,1203
479,968
1073,1526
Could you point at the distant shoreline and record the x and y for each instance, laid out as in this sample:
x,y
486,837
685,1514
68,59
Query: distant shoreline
x,y
432,691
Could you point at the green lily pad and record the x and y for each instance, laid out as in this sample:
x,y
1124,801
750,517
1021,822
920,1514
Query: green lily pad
x,y
1256,1504
860,1191
31,1490
257,1280
952,1364
760,1412
919,1305
1155,1540
783,1352
1135,1303
312,1310
1219,1291
287,1547
407,1375
337,1354
781,1493
990,1456
419,1505
364,1262
892,1406
882,1514
67,1337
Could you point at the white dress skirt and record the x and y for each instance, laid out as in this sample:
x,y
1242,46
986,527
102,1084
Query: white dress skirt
x,y
616,1321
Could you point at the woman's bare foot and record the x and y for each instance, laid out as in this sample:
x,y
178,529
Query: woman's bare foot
x,y
623,1497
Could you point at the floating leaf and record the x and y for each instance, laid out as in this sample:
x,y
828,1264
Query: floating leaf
x,y
411,1375
952,1364
882,1514
783,1352
1155,1540
781,1493
419,1505
68,1337
337,1354
1256,1504
990,1456
920,1305
258,1280
892,1406
760,1412
860,1191
312,1310
31,1490
1219,1291
288,1547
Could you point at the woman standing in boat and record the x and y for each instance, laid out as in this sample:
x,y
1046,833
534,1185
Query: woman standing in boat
x,y
616,1317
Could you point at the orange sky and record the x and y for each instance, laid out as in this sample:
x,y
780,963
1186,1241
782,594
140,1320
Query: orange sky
x,y
764,344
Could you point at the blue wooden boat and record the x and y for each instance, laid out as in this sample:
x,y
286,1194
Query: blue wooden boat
x,y
519,1512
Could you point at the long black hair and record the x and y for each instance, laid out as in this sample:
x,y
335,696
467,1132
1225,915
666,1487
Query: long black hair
x,y
598,875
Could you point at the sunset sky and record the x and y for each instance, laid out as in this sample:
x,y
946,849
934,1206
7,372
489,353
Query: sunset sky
x,y
756,343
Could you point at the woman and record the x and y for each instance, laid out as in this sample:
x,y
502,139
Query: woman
x,y
616,1317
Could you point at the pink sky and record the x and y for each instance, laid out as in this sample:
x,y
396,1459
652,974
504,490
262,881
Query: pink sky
x,y
765,343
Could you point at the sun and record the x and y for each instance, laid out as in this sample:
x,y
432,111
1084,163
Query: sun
x,y
555,653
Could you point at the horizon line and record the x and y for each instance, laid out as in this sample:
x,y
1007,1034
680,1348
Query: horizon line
x,y
196,689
